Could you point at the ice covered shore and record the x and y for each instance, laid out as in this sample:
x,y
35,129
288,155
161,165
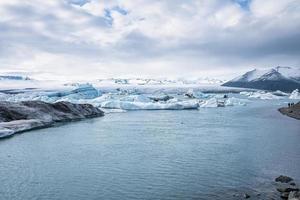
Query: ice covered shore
x,y
27,115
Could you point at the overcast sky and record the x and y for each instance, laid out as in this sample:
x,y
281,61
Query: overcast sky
x,y
87,39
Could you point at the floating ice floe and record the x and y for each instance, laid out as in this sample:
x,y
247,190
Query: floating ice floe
x,y
260,95
295,94
196,94
126,105
221,102
81,91
210,103
232,101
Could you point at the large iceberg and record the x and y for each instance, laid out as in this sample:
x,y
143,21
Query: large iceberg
x,y
148,105
295,94
81,91
222,102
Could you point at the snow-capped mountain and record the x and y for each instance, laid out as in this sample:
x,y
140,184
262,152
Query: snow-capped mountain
x,y
278,78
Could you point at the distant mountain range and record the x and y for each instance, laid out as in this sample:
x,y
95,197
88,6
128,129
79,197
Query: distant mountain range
x,y
14,77
161,81
285,79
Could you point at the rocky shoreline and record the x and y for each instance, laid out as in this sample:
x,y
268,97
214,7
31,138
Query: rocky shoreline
x,y
16,117
283,187
287,188
291,111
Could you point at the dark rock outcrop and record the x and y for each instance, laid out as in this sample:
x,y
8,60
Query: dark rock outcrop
x,y
22,116
292,111
287,188
283,179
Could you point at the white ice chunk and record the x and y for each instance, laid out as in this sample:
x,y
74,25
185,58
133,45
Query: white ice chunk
x,y
132,105
210,103
232,101
295,94
261,95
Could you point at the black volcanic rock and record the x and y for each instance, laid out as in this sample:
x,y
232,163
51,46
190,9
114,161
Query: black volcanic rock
x,y
283,179
21,116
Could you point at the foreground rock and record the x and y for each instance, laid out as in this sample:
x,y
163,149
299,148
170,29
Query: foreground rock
x,y
27,115
292,111
286,188
283,179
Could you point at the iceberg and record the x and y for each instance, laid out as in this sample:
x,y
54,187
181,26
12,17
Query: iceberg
x,y
210,103
136,98
195,94
161,97
261,95
216,102
132,105
82,91
232,101
295,94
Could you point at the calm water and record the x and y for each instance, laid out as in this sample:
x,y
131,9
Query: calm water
x,y
206,154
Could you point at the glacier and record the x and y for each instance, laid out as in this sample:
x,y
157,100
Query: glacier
x,y
120,95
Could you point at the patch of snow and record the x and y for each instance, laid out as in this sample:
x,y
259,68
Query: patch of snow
x,y
289,72
251,75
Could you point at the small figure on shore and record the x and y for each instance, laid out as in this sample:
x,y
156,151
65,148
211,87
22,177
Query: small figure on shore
x,y
289,105
225,96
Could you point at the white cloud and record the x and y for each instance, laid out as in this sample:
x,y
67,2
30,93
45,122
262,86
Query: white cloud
x,y
148,38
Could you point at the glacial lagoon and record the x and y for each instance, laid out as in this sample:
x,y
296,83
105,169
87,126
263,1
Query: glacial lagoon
x,y
209,153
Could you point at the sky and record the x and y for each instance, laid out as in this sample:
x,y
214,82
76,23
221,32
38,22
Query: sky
x,y
90,39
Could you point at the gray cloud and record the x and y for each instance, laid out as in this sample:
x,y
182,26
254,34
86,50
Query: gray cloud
x,y
149,38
